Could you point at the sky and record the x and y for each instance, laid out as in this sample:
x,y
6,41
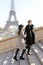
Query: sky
x,y
25,10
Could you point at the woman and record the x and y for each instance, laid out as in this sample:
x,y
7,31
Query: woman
x,y
20,44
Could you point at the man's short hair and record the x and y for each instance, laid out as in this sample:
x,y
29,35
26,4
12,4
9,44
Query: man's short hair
x,y
29,21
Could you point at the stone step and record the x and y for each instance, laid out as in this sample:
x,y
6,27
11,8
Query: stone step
x,y
13,62
7,60
38,53
2,57
33,59
40,45
25,62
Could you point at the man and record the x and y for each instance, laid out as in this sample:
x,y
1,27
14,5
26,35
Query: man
x,y
30,36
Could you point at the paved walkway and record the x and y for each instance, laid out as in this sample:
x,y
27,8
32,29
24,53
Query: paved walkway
x,y
35,59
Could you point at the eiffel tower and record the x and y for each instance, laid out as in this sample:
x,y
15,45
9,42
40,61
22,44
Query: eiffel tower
x,y
11,13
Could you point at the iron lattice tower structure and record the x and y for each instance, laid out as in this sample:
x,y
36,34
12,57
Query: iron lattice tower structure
x,y
11,13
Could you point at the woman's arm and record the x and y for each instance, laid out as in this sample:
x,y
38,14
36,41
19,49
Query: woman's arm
x,y
22,33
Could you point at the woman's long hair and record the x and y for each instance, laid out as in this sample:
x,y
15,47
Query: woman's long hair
x,y
20,28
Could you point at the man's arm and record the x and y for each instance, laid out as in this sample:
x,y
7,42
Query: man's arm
x,y
25,32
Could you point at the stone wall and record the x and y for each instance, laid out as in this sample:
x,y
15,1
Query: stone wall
x,y
38,34
8,44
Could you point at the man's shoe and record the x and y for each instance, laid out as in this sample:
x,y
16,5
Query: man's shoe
x,y
29,54
15,58
21,58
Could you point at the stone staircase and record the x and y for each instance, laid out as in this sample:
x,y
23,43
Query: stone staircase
x,y
35,59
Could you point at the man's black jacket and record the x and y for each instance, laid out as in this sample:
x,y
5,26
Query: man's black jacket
x,y
30,36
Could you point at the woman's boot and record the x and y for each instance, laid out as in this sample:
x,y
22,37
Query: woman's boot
x,y
21,57
15,57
